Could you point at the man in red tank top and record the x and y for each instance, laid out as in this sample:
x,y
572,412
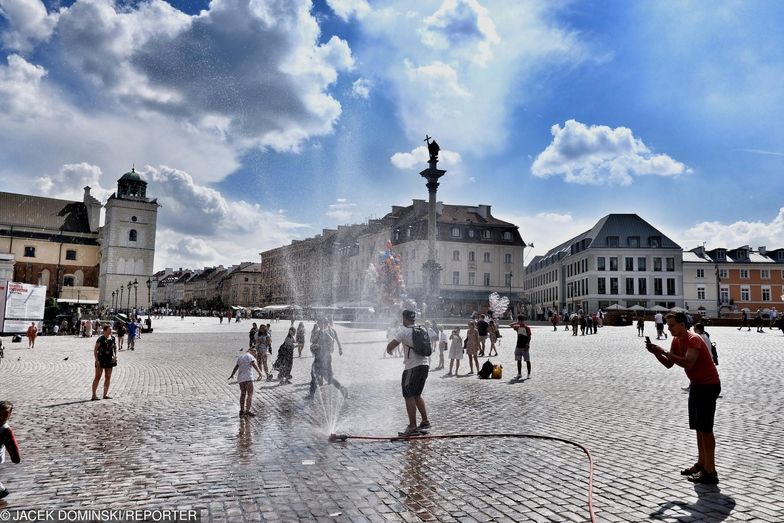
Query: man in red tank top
x,y
689,351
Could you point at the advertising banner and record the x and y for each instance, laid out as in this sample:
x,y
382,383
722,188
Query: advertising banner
x,y
24,304
3,289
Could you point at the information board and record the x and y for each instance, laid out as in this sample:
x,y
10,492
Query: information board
x,y
24,304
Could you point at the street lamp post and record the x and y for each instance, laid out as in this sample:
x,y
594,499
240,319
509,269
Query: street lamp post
x,y
718,291
511,303
112,300
119,302
135,294
128,303
149,303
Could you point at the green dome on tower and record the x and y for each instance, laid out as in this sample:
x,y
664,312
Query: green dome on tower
x,y
132,176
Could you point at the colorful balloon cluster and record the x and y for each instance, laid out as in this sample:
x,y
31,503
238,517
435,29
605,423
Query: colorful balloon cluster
x,y
388,277
498,304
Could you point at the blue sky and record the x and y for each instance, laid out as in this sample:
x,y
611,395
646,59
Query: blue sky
x,y
258,122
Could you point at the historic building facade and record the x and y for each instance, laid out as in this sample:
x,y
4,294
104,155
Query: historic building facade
x,y
732,279
623,259
478,252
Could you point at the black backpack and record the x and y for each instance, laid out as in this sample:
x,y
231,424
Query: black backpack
x,y
486,371
421,339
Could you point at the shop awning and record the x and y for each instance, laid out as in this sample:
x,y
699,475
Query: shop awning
x,y
78,301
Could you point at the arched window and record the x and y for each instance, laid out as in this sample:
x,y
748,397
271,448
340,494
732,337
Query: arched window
x,y
78,277
68,281
132,235
44,277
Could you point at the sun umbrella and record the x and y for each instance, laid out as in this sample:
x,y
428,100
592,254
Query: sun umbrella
x,y
615,307
659,308
637,308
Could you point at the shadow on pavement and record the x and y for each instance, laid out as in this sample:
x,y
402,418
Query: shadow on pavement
x,y
711,507
67,403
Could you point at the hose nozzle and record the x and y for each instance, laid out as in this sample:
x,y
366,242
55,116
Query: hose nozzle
x,y
333,438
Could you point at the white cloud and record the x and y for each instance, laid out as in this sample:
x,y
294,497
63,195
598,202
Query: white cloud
x,y
20,89
29,24
342,210
555,217
599,154
730,235
420,156
478,62
463,25
345,9
68,183
361,88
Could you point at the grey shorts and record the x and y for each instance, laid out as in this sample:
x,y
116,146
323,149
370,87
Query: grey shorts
x,y
522,354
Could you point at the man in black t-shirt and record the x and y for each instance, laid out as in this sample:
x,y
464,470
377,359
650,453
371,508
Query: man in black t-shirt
x,y
481,327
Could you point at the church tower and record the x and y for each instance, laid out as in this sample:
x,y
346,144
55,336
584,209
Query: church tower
x,y
127,244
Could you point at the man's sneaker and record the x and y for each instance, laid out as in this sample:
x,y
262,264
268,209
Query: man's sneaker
x,y
519,377
694,469
424,425
409,432
705,478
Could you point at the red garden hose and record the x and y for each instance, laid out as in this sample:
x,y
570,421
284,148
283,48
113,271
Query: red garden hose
x,y
343,437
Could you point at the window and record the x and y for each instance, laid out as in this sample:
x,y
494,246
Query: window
x,y
764,274
456,278
641,263
613,264
629,286
508,279
654,241
68,281
612,241
721,255
642,286
487,279
724,295
486,234
723,273
700,273
600,263
408,232
455,255
744,273
132,235
487,257
657,287
507,236
629,264
613,285
471,233
700,293
670,286
70,254
657,265
601,288
471,256
744,293
397,234
670,264
29,252
133,219
766,293
455,232
633,241
742,255
471,278
507,258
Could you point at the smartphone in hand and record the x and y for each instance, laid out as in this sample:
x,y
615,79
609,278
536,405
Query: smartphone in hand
x,y
647,341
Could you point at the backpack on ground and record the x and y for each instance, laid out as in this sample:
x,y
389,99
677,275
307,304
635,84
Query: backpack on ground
x,y
486,372
498,371
421,341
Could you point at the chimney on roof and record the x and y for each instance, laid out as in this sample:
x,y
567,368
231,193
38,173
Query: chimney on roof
x,y
483,211
763,250
700,251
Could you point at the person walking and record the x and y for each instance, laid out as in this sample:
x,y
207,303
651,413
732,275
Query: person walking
x,y
252,336
689,351
120,329
658,319
443,342
493,334
523,346
472,346
758,320
7,440
455,351
245,363
105,355
321,371
300,338
744,320
285,359
263,349
640,325
133,328
554,319
416,368
481,328
772,315
32,333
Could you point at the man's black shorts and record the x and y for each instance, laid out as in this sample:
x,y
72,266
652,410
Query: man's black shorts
x,y
702,406
413,381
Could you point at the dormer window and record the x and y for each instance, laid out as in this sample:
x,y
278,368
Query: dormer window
x,y
612,241
721,255
654,241
508,236
471,233
486,234
742,255
455,232
633,241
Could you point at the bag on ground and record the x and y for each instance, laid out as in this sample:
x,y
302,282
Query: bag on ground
x,y
498,371
486,371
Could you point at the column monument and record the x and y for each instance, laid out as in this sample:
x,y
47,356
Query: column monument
x,y
431,269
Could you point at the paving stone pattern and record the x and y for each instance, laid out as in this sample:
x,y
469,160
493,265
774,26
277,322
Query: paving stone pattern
x,y
171,436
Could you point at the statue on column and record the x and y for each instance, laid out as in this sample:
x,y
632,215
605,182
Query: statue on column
x,y
432,148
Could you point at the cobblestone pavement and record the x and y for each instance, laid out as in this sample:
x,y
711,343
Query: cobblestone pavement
x,y
171,437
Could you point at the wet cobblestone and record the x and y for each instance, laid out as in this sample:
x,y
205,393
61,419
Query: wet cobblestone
x,y
171,437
